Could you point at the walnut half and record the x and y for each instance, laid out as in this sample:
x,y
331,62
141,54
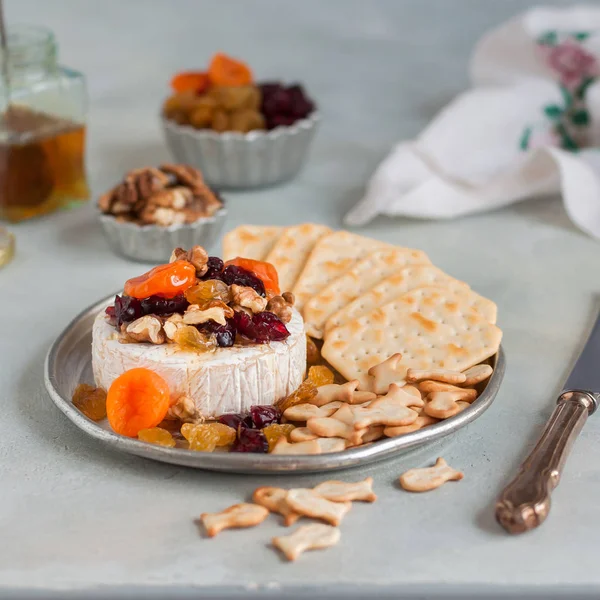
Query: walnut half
x,y
146,329
248,298
281,308
194,315
197,255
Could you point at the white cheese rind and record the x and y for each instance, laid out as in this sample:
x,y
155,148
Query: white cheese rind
x,y
228,380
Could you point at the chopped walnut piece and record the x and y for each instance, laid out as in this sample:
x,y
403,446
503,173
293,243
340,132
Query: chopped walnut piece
x,y
197,255
172,324
185,410
279,307
158,215
238,308
289,298
248,298
184,174
146,329
194,315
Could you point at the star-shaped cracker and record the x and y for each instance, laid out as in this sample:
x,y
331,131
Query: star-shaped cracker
x,y
386,373
398,395
346,393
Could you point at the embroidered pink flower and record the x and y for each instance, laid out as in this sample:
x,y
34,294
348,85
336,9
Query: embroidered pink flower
x,y
572,63
542,137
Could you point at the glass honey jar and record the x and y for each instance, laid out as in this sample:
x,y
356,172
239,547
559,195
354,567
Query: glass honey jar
x,y
42,128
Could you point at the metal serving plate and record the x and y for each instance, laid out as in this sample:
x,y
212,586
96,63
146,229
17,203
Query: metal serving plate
x,y
69,362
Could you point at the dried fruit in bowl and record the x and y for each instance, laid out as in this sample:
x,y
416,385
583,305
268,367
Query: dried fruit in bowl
x,y
138,399
166,281
232,98
190,81
227,71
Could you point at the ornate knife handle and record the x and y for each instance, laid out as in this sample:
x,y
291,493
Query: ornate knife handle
x,y
525,502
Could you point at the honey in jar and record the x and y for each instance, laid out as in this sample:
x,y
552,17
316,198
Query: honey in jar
x,y
42,129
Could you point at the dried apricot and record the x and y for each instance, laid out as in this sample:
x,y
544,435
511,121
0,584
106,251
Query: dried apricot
x,y
265,271
321,375
166,281
190,81
91,401
275,431
227,71
138,399
211,289
305,393
156,435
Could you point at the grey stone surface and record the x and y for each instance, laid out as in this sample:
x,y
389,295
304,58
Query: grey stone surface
x,y
77,517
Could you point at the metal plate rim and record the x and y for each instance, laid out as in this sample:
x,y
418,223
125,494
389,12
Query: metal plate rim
x,y
259,463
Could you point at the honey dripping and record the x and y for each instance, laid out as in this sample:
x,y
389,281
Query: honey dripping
x,y
42,165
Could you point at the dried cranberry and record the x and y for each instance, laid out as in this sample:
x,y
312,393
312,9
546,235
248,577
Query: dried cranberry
x,y
236,421
112,315
127,309
264,415
280,121
155,305
240,276
250,440
261,328
225,334
215,268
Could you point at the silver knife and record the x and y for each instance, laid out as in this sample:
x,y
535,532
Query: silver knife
x,y
525,502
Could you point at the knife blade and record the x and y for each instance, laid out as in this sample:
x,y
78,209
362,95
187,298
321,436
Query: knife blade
x,y
525,502
585,375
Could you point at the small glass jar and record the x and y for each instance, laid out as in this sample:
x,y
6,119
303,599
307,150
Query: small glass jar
x,y
42,128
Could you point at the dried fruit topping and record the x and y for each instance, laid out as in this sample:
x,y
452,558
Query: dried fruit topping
x,y
321,375
166,281
190,81
190,338
156,435
91,401
138,399
305,393
240,276
274,431
236,421
250,440
283,106
264,415
215,268
208,436
260,328
224,334
224,70
313,356
127,309
265,271
210,289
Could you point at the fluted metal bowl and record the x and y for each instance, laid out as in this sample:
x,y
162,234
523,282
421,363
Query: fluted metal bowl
x,y
232,160
154,243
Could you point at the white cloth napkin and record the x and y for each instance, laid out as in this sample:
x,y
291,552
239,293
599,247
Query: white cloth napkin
x,y
530,126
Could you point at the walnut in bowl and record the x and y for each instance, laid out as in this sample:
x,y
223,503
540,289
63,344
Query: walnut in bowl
x,y
153,210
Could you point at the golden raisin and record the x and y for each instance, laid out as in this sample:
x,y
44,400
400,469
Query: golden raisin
x,y
190,338
156,435
211,289
220,120
91,401
207,436
274,431
305,393
246,120
321,375
313,356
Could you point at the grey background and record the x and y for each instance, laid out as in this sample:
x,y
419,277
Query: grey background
x,y
77,517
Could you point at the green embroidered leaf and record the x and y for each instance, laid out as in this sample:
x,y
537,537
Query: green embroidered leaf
x,y
580,36
549,38
553,111
582,89
524,142
567,96
580,117
566,141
